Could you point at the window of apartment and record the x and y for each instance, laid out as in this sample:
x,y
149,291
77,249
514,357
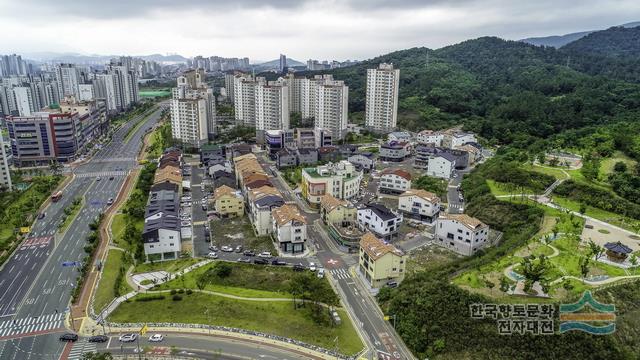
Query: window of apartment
x,y
460,231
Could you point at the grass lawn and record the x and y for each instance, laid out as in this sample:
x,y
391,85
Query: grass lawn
x,y
172,266
246,280
499,189
117,229
277,318
293,175
606,166
555,172
612,218
238,231
105,292
429,258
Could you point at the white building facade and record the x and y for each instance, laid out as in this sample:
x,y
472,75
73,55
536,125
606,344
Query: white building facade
x,y
461,233
381,110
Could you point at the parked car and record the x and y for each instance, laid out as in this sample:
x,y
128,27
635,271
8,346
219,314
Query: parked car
x,y
320,273
239,248
128,337
249,253
312,266
278,262
261,261
265,254
392,284
212,255
226,248
244,260
99,338
298,267
156,338
110,201
213,248
69,337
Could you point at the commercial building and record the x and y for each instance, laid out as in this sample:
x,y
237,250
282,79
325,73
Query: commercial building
x,y
381,263
381,108
5,174
378,219
461,233
289,229
419,205
340,180
394,181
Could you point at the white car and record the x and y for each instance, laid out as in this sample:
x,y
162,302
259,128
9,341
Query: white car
x,y
321,273
226,248
156,338
128,337
265,254
312,266
212,255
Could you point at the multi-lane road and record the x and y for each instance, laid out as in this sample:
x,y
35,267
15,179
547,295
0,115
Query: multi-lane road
x,y
36,286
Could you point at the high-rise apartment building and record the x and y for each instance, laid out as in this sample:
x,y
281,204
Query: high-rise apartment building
x,y
68,78
192,109
244,88
331,107
272,106
283,62
381,110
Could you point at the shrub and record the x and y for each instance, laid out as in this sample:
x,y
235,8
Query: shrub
x,y
181,291
189,291
177,297
173,291
150,298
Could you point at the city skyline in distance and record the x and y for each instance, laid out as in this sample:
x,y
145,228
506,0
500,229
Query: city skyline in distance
x,y
340,30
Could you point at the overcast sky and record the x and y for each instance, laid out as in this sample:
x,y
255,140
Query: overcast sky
x,y
301,29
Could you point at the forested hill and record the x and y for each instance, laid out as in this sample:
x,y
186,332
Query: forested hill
x,y
616,41
510,92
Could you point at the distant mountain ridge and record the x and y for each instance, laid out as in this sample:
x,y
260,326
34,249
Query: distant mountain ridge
x,y
558,41
77,58
623,42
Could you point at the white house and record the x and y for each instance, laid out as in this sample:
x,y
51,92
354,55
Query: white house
x,y
223,166
161,237
394,151
441,165
289,229
394,181
361,161
399,136
452,140
461,233
420,205
427,137
379,220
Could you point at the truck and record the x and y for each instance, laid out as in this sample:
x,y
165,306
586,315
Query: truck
x,y
57,196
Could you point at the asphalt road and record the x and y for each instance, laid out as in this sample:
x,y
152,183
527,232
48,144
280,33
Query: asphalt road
x,y
187,344
32,310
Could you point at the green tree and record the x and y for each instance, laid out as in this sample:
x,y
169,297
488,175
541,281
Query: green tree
x,y
584,266
223,269
534,270
620,167
595,250
55,167
97,356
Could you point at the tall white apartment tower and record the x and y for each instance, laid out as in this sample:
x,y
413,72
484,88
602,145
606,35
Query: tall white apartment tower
x,y
331,107
244,96
381,112
192,111
272,106
68,79
5,175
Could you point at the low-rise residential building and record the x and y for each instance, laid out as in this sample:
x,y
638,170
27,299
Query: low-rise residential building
x,y
170,174
228,202
453,139
461,233
329,154
363,161
399,136
161,232
381,221
419,205
430,137
289,229
394,151
221,178
220,165
307,156
276,140
340,180
261,209
394,181
334,210
286,158
474,154
211,151
381,263
442,165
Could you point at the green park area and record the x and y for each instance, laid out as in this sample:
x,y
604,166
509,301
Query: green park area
x,y
247,296
19,208
278,318
112,282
